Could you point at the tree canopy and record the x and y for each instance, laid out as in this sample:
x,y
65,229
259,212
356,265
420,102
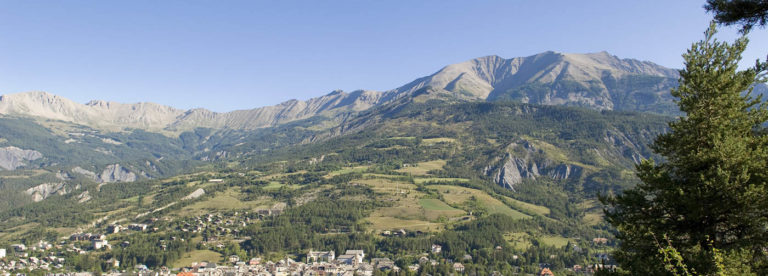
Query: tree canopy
x,y
707,203
747,13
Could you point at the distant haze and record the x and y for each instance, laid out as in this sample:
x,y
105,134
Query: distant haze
x,y
246,54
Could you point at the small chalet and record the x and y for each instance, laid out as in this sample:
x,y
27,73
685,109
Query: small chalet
x,y
458,267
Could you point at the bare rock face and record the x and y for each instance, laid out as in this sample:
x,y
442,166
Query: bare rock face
x,y
99,114
513,172
83,197
46,190
89,174
154,117
13,157
565,171
197,193
110,174
63,176
292,110
116,173
525,161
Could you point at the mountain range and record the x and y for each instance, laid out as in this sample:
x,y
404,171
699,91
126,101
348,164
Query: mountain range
x,y
105,142
599,81
500,160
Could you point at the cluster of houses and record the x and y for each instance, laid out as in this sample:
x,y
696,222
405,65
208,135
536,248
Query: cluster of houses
x,y
224,224
44,255
98,241
220,224
352,262
31,263
33,257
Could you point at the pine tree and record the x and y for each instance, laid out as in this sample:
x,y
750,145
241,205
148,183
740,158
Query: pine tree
x,y
709,198
747,13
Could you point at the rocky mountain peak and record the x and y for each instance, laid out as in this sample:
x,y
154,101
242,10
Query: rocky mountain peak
x,y
100,103
595,80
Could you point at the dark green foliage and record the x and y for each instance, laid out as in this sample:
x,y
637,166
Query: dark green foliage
x,y
710,194
328,224
483,240
747,13
145,249
54,212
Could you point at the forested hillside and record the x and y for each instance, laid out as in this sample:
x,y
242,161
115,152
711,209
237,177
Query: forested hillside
x,y
470,176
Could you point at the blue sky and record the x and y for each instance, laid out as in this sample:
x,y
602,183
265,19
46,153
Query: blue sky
x,y
227,55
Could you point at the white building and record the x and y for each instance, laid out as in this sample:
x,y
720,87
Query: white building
x,y
234,259
356,252
2,253
99,244
113,229
320,256
349,259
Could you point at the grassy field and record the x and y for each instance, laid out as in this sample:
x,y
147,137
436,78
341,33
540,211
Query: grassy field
x,y
387,185
403,194
521,241
378,175
529,207
22,174
15,232
278,175
518,241
555,241
402,138
197,256
185,176
593,212
423,167
226,200
432,141
409,206
347,170
434,204
193,183
592,219
379,224
439,180
460,195
64,230
434,209
274,185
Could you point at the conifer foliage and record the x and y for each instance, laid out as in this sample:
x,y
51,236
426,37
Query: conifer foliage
x,y
708,200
